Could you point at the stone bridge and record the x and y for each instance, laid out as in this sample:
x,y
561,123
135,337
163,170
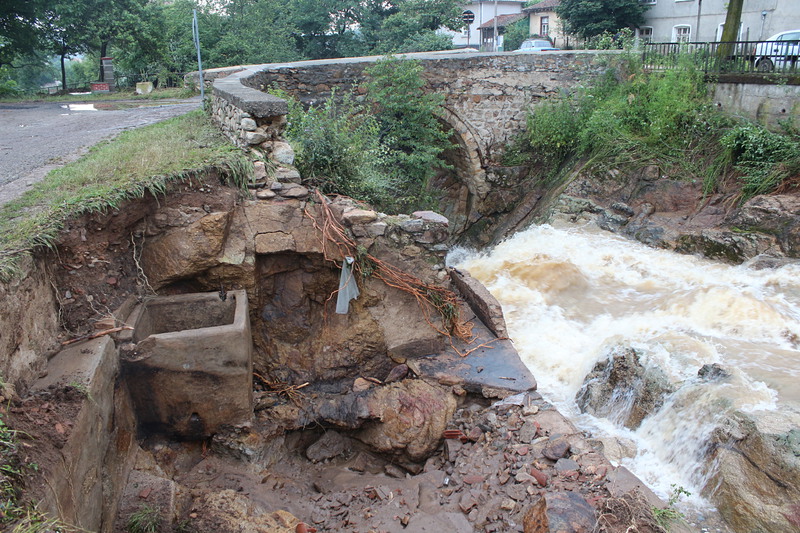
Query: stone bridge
x,y
487,99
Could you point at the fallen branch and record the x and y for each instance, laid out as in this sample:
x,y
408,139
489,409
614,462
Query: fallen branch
x,y
94,335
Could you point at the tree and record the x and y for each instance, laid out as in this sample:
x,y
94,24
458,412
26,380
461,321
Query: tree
x,y
730,31
110,20
588,18
63,26
516,33
18,32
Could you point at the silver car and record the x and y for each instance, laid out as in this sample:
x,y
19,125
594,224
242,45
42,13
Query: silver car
x,y
536,45
780,51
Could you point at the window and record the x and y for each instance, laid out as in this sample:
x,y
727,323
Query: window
x,y
648,2
682,34
544,26
646,34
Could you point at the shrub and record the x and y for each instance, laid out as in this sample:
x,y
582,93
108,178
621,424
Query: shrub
x,y
337,147
411,133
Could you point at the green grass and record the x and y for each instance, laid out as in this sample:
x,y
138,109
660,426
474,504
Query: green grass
x,y
125,94
137,162
145,520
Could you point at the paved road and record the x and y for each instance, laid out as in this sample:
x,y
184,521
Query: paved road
x,y
38,137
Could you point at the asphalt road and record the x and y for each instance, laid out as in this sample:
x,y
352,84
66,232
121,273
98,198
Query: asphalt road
x,y
38,137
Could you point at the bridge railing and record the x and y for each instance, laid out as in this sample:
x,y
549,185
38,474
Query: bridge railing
x,y
735,57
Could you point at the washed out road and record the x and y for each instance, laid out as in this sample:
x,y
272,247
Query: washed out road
x,y
38,137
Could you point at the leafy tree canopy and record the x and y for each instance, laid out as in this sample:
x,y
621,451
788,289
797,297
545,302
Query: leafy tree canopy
x,y
588,18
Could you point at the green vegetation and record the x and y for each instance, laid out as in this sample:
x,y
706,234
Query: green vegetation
x,y
146,519
631,118
136,163
151,40
384,149
588,18
669,515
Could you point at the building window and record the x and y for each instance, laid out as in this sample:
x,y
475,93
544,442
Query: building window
x,y
646,34
544,26
682,34
647,2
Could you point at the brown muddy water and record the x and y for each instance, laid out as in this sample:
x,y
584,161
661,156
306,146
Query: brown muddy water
x,y
571,293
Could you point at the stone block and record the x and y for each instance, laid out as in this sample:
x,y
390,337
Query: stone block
x,y
75,487
190,369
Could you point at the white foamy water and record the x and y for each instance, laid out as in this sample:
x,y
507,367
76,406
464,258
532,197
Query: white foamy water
x,y
569,294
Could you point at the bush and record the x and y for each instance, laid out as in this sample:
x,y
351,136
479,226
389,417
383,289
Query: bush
x,y
337,147
410,130
384,149
765,159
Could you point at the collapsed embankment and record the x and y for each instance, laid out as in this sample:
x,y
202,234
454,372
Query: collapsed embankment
x,y
366,398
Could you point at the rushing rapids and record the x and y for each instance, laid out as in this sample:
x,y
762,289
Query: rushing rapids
x,y
570,294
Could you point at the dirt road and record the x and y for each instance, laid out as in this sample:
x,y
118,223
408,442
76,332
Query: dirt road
x,y
38,137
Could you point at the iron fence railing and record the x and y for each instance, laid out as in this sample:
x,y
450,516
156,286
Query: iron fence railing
x,y
736,57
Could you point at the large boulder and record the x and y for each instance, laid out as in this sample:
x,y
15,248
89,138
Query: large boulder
x,y
756,482
621,389
412,418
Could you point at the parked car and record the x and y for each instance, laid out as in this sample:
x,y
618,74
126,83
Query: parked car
x,y
536,45
780,51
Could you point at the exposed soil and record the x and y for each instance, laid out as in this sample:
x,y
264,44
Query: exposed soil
x,y
43,422
503,460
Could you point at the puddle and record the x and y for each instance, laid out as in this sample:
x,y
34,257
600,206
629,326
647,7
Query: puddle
x,y
79,107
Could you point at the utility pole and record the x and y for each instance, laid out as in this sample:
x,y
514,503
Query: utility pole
x,y
196,35
495,26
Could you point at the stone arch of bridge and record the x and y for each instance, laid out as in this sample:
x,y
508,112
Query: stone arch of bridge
x,y
462,188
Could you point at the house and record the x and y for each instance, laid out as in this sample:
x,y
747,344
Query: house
x,y
544,22
482,12
702,20
488,42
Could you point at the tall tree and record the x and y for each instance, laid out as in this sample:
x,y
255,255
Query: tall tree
x,y
730,31
18,31
587,18
110,20
63,25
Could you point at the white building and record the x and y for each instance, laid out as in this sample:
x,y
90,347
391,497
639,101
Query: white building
x,y
484,12
702,20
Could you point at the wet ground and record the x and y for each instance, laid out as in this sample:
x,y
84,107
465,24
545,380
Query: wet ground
x,y
36,137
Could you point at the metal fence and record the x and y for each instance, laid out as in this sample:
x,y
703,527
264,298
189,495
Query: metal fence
x,y
737,57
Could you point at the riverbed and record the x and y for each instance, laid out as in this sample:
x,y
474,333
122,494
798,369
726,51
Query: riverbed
x,y
571,293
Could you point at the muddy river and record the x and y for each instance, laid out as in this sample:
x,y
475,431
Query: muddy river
x,y
572,293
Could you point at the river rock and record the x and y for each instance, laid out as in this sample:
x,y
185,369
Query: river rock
x,y
756,486
330,445
561,512
413,416
621,389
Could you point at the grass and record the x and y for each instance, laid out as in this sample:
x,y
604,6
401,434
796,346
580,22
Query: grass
x,y
145,520
135,163
125,94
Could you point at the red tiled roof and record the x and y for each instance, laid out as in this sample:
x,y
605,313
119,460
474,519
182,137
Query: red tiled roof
x,y
544,5
502,20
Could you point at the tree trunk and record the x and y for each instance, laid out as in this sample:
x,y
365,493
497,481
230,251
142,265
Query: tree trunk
x,y
63,72
103,51
730,32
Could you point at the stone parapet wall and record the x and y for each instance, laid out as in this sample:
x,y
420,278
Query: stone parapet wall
x,y
250,118
487,95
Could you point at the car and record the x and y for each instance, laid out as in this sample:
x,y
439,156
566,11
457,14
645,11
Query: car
x,y
536,45
779,51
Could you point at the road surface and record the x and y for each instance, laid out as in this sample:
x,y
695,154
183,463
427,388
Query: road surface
x,y
38,137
